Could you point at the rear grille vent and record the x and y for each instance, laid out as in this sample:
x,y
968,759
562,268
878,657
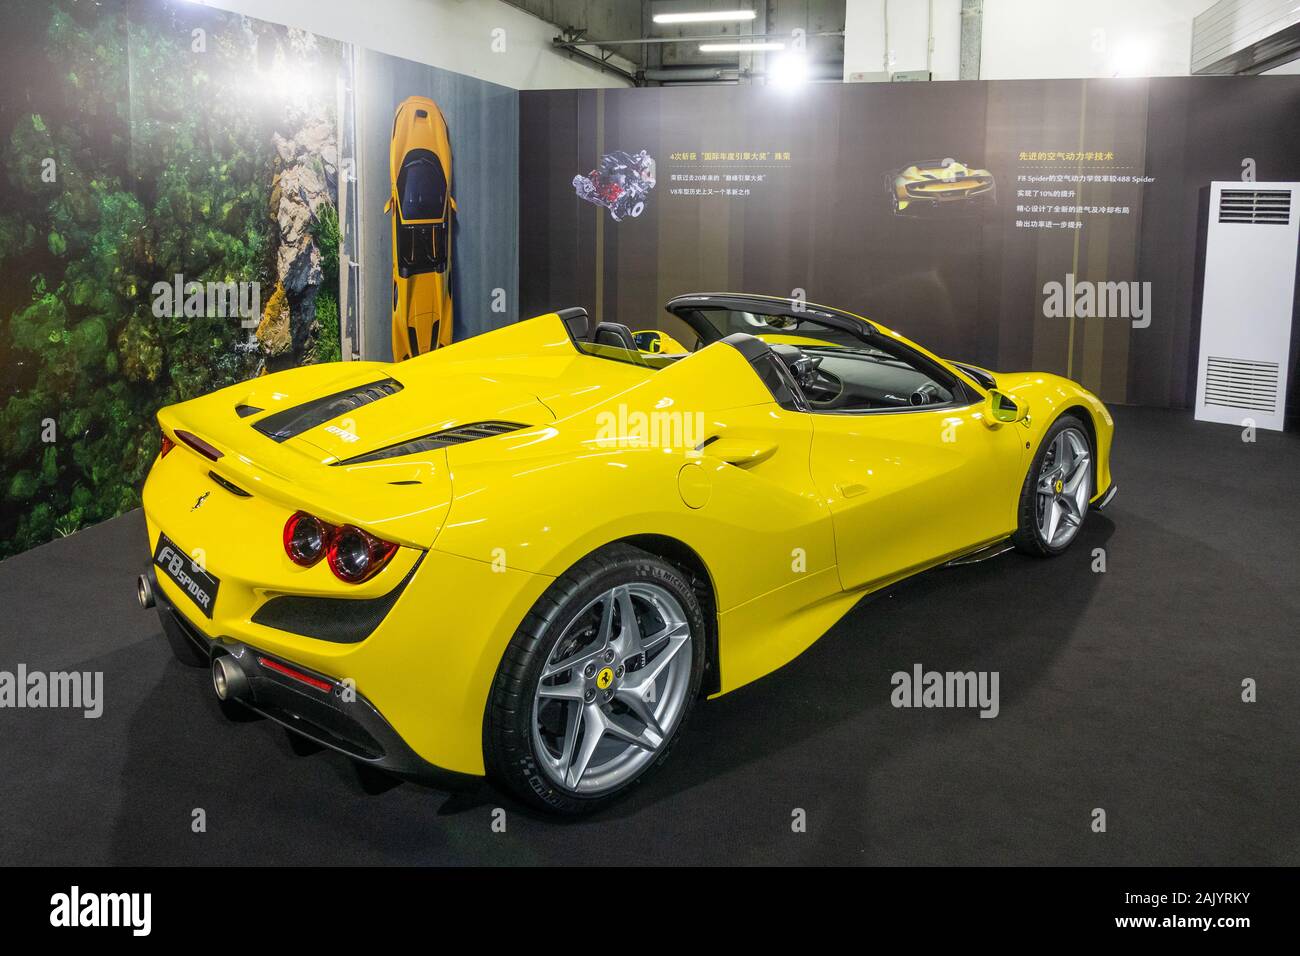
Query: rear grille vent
x,y
1241,383
449,436
294,421
1255,205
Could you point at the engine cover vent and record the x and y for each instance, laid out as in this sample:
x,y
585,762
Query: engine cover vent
x,y
448,436
286,424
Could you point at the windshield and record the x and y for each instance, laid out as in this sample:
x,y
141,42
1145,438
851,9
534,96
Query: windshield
x,y
421,187
777,329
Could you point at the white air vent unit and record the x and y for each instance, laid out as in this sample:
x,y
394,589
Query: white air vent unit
x,y
1255,205
1246,306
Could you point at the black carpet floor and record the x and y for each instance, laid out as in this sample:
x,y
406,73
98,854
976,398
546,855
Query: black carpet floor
x,y
1119,690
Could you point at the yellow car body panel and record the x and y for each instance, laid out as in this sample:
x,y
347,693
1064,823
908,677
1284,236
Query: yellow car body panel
x,y
794,515
421,228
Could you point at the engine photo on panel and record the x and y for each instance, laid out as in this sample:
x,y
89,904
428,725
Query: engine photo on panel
x,y
621,182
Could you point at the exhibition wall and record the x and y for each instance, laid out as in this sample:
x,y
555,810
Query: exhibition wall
x,y
157,147
1074,252
192,198
126,167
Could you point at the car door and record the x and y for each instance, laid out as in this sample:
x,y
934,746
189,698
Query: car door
x,y
908,457
909,489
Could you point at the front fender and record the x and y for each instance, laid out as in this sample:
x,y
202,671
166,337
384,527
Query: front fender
x,y
1050,396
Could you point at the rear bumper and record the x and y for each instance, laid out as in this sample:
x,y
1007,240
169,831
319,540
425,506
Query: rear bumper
x,y
326,711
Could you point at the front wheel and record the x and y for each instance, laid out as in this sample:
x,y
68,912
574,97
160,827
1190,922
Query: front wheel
x,y
1055,496
597,682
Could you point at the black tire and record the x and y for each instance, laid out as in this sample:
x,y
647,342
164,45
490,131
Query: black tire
x,y
507,728
1027,537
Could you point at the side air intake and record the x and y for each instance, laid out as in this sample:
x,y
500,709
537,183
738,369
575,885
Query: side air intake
x,y
449,436
294,421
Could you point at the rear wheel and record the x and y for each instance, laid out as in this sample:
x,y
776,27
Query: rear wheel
x,y
597,682
1055,496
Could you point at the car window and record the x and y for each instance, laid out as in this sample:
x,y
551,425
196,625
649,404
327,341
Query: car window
x,y
840,379
836,369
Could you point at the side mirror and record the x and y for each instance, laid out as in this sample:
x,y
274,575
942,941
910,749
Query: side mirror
x,y
1003,410
388,206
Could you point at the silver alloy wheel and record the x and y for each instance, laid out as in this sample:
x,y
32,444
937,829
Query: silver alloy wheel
x,y
1064,487
613,688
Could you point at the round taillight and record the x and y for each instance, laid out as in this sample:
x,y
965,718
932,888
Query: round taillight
x,y
355,555
350,554
306,538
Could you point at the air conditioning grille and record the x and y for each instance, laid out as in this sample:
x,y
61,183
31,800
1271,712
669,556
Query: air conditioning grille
x,y
1241,383
1255,206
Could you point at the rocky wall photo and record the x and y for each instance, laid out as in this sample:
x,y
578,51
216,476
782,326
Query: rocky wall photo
x,y
168,226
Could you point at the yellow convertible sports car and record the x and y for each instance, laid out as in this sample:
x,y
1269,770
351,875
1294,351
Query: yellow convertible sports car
x,y
419,165
940,183
527,555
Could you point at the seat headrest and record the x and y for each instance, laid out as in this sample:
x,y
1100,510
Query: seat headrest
x,y
615,334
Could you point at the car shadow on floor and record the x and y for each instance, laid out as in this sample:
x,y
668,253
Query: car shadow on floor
x,y
968,617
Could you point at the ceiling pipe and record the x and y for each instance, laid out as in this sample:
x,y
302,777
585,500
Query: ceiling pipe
x,y
601,63
714,74
716,38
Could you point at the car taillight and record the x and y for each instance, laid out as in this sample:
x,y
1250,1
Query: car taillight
x,y
166,446
352,554
199,445
305,538
355,555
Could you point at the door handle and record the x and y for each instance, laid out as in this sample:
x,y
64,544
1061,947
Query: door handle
x,y
741,452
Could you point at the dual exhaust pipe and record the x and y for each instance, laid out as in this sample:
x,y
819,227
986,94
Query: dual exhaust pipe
x,y
146,586
228,679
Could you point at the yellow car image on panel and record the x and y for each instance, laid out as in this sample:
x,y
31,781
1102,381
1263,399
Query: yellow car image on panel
x,y
421,206
529,554
943,182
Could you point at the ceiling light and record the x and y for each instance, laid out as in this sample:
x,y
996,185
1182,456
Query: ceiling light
x,y
1132,57
739,47
705,16
789,71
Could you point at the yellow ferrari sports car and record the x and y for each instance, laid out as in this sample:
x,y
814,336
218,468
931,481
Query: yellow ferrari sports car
x,y
420,201
940,183
528,555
